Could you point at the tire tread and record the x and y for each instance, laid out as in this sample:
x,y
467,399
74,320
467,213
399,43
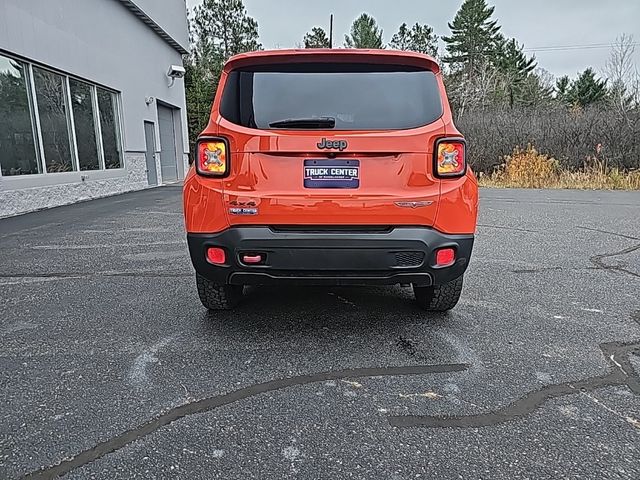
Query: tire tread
x,y
439,298
218,297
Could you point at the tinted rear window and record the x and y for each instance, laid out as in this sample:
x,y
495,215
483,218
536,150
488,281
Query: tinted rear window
x,y
359,97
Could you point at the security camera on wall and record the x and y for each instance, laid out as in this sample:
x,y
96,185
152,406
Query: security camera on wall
x,y
176,71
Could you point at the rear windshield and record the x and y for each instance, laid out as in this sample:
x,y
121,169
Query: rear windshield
x,y
353,97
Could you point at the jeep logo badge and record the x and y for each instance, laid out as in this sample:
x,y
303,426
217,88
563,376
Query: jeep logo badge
x,y
325,144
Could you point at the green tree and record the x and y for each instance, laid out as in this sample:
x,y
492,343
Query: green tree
x,y
316,38
222,28
515,69
562,88
365,33
536,89
512,59
587,89
474,40
200,83
419,38
218,30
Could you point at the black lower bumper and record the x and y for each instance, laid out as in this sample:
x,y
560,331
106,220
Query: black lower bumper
x,y
321,256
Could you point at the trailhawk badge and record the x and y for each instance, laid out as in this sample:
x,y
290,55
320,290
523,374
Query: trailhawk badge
x,y
424,203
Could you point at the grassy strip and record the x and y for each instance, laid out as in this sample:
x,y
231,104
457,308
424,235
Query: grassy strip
x,y
527,168
582,180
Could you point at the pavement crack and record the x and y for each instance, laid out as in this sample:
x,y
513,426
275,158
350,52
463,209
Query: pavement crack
x,y
536,270
342,299
609,233
598,261
634,422
622,374
514,229
210,403
63,275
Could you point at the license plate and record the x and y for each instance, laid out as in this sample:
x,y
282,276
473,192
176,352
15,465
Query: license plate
x,y
331,173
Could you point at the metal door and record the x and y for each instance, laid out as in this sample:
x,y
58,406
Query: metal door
x,y
150,153
168,162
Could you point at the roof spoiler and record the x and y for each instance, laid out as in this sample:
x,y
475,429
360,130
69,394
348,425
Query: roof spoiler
x,y
343,55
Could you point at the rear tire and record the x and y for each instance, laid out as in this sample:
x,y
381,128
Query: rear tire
x,y
218,297
439,298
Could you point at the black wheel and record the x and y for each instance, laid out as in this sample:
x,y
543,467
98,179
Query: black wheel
x,y
218,297
439,298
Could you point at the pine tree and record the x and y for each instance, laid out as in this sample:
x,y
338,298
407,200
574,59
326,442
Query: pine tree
x,y
515,68
587,89
562,88
365,33
316,38
474,39
511,59
420,38
223,27
536,89
200,86
218,30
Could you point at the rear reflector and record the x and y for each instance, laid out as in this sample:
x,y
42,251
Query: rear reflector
x,y
216,255
252,259
445,257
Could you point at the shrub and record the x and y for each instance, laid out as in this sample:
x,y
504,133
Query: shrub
x,y
529,168
568,135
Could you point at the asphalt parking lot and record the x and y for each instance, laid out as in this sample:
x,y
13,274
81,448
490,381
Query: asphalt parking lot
x,y
111,368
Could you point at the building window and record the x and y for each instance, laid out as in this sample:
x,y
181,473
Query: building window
x,y
108,107
54,120
18,154
84,120
50,122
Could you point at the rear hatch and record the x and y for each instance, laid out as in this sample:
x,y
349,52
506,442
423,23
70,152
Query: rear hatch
x,y
331,144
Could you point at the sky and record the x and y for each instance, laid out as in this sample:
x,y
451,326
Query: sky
x,y
536,23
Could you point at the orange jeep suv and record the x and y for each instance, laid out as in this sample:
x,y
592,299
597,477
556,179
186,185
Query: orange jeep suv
x,y
330,167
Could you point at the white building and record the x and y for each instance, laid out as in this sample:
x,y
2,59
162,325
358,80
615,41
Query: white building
x,y
87,108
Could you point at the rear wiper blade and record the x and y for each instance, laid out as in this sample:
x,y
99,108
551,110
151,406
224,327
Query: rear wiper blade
x,y
318,122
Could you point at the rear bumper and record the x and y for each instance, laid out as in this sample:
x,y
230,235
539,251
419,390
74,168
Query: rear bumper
x,y
321,256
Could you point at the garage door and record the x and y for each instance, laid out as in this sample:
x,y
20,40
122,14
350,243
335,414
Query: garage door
x,y
168,162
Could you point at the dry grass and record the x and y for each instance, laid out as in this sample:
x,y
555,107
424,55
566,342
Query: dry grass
x,y
527,168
